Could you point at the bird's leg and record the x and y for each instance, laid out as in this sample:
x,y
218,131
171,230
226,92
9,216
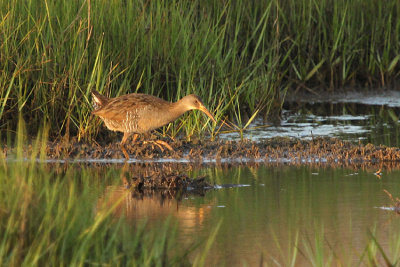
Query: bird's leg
x,y
135,136
124,138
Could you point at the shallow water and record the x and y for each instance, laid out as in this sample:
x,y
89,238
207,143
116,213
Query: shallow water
x,y
358,118
327,209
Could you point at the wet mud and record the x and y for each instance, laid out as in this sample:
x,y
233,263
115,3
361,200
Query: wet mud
x,y
328,150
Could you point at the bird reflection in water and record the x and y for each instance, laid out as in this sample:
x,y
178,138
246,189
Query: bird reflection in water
x,y
151,204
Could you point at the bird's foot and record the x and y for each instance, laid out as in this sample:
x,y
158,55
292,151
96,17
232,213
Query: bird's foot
x,y
160,144
165,144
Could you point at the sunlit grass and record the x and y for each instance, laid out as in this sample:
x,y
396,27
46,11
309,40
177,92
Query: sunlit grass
x,y
239,57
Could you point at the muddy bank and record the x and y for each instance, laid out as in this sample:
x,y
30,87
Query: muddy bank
x,y
328,150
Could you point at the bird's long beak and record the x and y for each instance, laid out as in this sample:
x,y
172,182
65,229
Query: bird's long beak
x,y
205,110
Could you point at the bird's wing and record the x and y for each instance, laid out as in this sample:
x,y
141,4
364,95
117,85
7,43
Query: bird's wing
x,y
117,108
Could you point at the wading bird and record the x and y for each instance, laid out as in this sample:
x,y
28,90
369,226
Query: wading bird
x,y
140,113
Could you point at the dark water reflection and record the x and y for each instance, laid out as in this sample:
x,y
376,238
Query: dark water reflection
x,y
315,209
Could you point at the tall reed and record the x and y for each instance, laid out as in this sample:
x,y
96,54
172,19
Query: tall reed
x,y
239,57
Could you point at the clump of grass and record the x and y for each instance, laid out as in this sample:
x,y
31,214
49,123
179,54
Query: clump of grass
x,y
239,57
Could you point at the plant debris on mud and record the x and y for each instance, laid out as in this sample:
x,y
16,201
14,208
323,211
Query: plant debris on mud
x,y
274,149
159,180
170,179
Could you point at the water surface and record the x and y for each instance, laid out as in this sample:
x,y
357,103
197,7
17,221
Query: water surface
x,y
367,118
325,209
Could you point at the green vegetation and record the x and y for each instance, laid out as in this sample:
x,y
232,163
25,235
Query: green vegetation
x,y
239,57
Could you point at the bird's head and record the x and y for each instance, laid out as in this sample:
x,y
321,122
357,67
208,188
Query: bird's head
x,y
194,102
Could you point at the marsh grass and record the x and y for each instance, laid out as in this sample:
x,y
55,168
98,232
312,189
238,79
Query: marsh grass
x,y
239,57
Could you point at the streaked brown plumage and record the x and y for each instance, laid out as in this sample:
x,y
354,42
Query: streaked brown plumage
x,y
141,113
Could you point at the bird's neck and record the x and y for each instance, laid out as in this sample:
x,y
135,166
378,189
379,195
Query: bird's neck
x,y
177,109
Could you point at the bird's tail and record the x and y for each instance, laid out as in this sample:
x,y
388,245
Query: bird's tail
x,y
99,100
